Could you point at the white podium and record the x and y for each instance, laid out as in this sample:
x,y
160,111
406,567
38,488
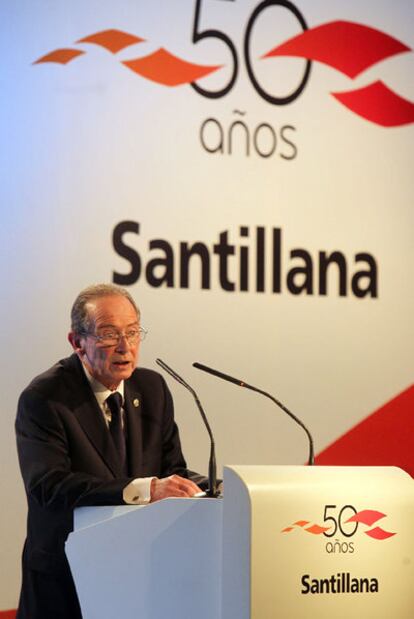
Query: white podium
x,y
285,542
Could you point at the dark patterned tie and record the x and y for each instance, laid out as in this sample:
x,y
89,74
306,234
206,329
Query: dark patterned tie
x,y
114,402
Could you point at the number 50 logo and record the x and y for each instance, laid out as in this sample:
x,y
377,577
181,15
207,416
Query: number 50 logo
x,y
340,521
337,520
199,35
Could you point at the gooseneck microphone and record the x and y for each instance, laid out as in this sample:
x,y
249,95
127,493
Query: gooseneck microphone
x,y
241,383
212,467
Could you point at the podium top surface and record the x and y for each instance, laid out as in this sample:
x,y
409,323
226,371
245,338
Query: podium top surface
x,y
317,474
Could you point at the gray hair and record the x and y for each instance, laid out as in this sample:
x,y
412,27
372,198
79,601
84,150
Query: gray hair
x,y
80,321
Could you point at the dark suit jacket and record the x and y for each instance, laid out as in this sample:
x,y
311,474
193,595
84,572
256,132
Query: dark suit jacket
x,y
67,460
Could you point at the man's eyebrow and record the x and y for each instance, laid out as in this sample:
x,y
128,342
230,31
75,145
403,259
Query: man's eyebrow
x,y
111,326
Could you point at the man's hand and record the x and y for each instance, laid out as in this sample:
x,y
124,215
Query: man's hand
x,y
173,486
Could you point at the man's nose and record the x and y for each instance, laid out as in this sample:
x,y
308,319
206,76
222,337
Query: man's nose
x,y
123,343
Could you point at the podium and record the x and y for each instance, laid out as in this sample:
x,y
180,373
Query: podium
x,y
285,542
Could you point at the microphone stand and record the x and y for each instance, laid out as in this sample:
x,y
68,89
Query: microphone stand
x,y
241,383
212,466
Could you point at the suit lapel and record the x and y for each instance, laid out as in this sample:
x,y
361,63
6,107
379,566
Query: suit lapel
x,y
133,406
90,418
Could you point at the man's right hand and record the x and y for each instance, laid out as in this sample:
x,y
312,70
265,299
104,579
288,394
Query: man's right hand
x,y
173,486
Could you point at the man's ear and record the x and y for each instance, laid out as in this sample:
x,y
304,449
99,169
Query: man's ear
x,y
77,343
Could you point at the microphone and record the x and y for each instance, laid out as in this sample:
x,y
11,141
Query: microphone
x,y
241,383
212,467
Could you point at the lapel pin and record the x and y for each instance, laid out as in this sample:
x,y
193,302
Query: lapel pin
x,y
136,402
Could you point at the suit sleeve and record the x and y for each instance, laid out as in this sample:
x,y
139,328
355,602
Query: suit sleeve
x,y
45,460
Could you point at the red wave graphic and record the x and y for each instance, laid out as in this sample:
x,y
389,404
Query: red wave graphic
x,y
379,533
60,56
167,69
8,614
113,40
381,439
316,529
298,523
346,46
378,104
367,516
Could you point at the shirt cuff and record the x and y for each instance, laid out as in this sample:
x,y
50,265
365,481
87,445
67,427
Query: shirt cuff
x,y
138,492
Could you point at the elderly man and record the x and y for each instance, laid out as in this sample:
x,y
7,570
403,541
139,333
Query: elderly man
x,y
92,430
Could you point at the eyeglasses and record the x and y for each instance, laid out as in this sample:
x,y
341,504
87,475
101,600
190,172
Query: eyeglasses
x,y
112,338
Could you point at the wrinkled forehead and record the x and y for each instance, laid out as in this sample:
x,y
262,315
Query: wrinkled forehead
x,y
114,310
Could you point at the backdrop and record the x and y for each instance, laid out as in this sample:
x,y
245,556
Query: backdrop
x,y
244,168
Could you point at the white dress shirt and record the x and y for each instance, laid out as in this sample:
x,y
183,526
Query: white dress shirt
x,y
138,492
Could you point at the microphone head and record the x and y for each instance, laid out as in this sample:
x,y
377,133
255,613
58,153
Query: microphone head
x,y
230,379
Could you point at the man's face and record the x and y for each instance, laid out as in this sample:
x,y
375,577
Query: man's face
x,y
108,364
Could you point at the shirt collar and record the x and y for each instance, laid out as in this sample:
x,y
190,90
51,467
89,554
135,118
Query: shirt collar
x,y
100,391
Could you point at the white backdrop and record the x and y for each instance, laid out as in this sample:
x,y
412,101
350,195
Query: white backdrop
x,y
89,144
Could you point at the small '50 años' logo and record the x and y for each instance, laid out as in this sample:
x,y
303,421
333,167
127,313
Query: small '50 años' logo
x,y
343,521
